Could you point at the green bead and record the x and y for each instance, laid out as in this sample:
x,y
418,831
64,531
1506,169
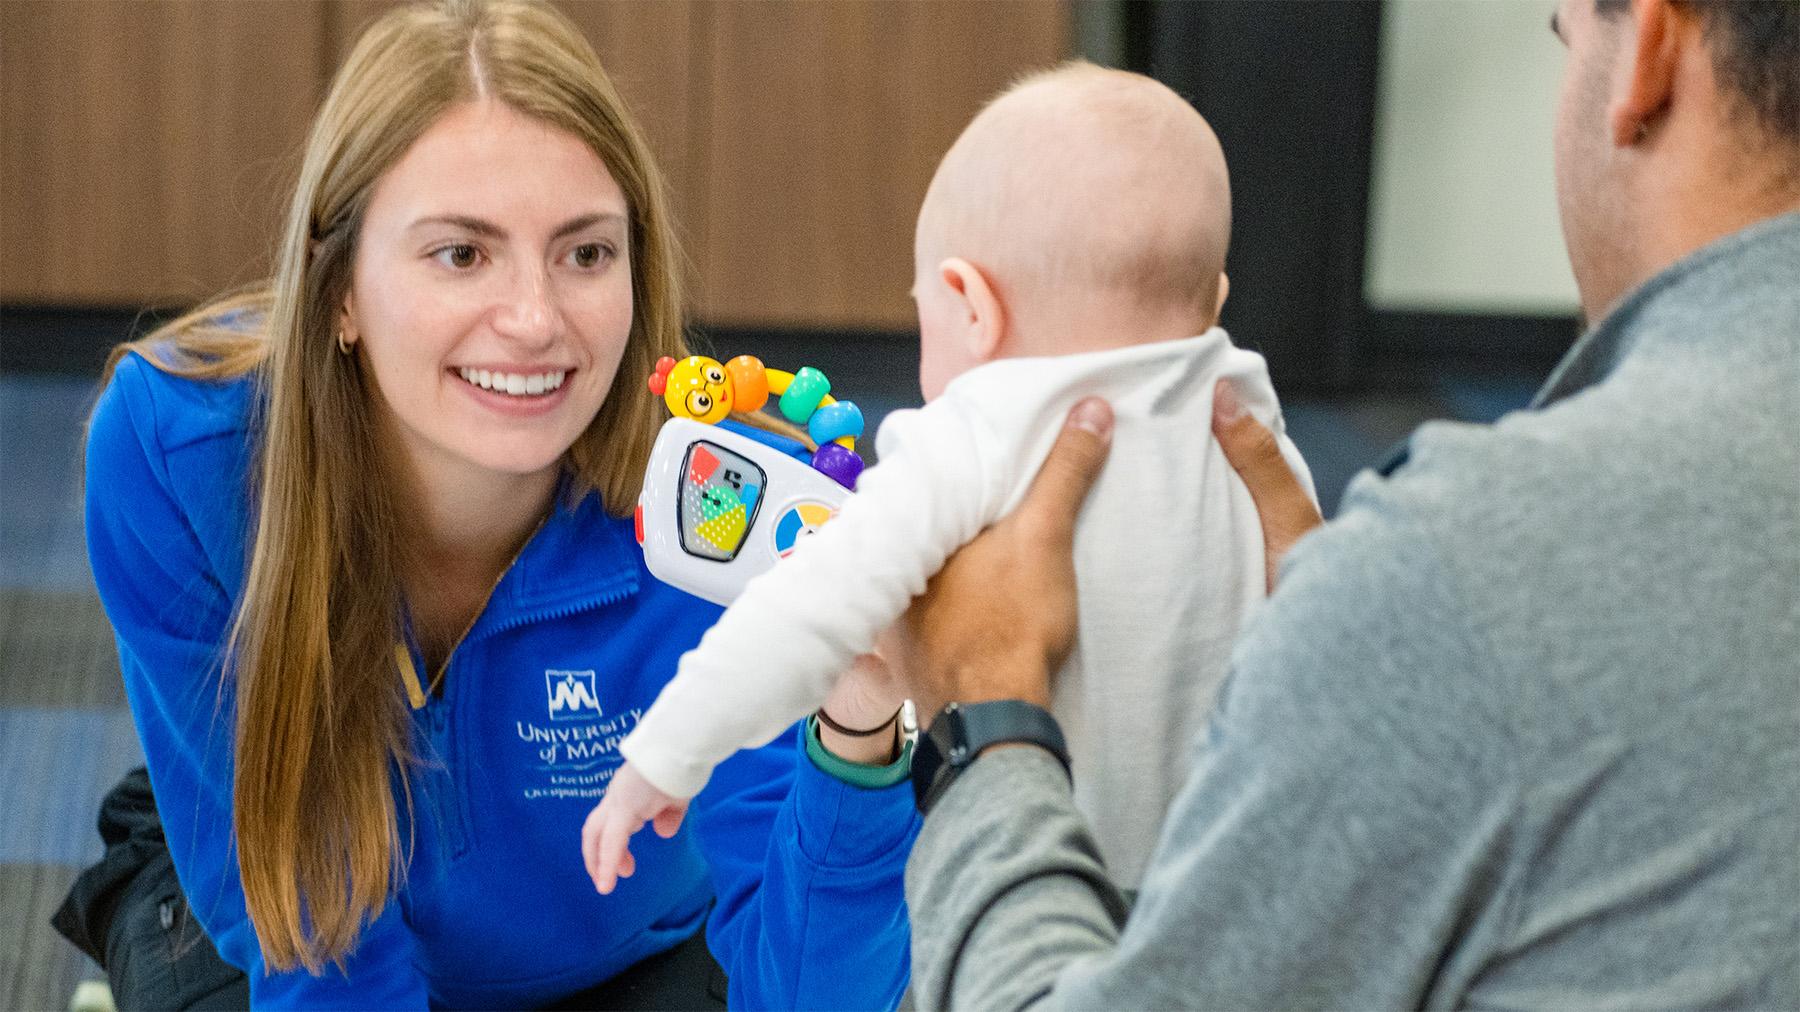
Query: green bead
x,y
808,387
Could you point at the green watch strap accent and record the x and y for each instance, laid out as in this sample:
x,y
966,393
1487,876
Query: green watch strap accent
x,y
856,774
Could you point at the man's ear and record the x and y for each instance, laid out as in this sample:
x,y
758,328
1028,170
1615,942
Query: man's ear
x,y
1654,52
984,317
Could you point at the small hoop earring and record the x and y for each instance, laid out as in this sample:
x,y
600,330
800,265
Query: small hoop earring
x,y
343,345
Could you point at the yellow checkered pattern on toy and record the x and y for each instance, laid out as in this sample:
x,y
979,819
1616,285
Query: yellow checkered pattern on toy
x,y
725,530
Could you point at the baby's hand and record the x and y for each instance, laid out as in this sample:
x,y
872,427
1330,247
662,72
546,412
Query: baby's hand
x,y
629,802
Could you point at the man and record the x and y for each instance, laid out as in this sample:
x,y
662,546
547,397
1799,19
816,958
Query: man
x,y
1522,726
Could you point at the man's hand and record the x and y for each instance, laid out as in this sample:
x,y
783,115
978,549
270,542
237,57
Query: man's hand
x,y
999,618
1287,512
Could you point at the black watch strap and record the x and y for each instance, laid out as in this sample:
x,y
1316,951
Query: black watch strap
x,y
962,730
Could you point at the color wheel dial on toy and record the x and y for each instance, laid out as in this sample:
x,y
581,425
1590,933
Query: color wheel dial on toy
x,y
799,521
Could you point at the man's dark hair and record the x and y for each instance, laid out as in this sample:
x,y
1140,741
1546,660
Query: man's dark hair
x,y
1756,54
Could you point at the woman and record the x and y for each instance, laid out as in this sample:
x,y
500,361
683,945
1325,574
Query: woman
x,y
361,537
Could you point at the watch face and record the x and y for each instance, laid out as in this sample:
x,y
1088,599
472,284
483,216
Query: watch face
x,y
720,493
961,732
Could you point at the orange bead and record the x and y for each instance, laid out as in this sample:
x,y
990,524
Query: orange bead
x,y
749,383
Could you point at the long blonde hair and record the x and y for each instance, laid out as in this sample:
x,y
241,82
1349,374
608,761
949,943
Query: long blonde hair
x,y
322,732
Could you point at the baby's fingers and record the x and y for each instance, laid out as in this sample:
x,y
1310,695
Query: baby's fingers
x,y
669,819
615,860
590,841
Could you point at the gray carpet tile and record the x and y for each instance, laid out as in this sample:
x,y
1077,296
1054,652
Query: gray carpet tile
x,y
38,969
41,426
56,649
59,762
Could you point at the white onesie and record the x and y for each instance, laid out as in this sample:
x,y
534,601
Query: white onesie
x,y
1168,562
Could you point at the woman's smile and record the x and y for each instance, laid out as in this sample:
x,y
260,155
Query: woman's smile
x,y
515,391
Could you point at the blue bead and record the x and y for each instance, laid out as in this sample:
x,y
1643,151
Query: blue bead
x,y
835,421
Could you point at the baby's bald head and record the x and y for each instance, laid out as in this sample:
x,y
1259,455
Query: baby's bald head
x,y
1078,188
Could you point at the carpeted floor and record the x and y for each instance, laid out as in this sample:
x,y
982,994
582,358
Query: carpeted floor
x,y
66,736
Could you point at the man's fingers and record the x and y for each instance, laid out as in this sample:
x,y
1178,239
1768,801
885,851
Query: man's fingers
x,y
1286,511
1075,461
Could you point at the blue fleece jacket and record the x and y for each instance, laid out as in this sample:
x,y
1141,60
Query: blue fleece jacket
x,y
801,872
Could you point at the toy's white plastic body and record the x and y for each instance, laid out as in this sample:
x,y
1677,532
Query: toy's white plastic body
x,y
718,508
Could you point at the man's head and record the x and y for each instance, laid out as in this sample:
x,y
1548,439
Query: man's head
x,y
1679,123
1083,208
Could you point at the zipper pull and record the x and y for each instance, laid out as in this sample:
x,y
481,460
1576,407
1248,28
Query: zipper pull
x,y
409,675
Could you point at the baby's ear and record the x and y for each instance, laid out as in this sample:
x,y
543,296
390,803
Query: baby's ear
x,y
1219,303
984,317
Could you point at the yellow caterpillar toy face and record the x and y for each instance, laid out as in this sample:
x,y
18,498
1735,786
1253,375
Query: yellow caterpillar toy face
x,y
697,387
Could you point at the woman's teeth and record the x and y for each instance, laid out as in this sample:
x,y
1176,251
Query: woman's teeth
x,y
516,384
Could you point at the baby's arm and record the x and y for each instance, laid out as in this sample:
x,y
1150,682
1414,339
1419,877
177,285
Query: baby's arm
x,y
629,802
776,652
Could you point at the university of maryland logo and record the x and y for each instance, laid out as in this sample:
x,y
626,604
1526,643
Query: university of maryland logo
x,y
571,695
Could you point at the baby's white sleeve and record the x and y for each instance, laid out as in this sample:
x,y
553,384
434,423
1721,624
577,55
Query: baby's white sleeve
x,y
774,655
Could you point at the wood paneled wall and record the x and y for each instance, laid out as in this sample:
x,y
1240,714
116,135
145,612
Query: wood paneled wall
x,y
146,148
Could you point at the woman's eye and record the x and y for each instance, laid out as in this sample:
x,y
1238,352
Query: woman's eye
x,y
461,256
589,254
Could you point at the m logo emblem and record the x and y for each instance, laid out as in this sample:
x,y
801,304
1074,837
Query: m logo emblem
x,y
571,695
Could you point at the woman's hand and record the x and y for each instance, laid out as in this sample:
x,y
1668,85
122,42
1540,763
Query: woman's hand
x,y
869,695
1286,511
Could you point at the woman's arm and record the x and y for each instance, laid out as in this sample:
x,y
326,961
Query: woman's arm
x,y
808,871
170,612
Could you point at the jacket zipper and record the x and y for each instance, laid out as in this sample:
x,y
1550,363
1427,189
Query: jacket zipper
x,y
437,677
453,813
612,595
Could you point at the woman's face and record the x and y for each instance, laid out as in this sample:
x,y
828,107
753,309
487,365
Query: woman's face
x,y
491,293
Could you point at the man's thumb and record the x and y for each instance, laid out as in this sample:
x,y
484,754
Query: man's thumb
x,y
1074,463
1285,509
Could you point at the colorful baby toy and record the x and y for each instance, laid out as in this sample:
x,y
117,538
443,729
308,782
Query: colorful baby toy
x,y
718,506
700,388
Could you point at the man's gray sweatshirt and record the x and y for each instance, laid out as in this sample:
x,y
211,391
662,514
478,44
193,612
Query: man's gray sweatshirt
x,y
1521,728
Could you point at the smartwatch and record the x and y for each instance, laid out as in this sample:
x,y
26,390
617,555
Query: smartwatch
x,y
962,730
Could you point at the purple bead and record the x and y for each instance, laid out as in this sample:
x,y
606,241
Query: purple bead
x,y
840,465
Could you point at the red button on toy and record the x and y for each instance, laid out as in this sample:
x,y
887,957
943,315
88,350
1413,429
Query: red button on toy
x,y
701,466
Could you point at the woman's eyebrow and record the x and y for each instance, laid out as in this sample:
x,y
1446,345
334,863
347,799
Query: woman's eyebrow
x,y
487,229
587,221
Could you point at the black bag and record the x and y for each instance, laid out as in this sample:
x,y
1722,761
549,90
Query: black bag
x,y
685,977
128,913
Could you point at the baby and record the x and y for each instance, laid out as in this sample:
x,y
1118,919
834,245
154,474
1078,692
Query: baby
x,y
1072,243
